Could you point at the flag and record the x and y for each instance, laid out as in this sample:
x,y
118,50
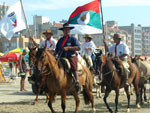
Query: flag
x,y
86,19
13,21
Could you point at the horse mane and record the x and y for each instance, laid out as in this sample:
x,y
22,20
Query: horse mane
x,y
52,62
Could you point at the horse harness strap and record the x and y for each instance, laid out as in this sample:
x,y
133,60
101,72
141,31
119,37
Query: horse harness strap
x,y
108,73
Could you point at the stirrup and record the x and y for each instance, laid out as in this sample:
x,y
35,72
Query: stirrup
x,y
127,84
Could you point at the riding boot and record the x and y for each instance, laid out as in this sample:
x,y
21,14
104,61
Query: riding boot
x,y
77,85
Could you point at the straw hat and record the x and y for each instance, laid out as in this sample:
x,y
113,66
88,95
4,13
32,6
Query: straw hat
x,y
88,36
66,25
48,31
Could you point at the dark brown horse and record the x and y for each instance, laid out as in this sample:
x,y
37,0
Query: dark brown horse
x,y
113,79
61,81
39,79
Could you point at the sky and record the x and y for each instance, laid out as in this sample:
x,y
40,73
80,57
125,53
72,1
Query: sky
x,y
124,12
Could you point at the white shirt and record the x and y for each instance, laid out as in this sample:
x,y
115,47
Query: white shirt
x,y
122,48
42,44
90,45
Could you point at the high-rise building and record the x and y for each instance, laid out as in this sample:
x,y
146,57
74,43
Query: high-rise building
x,y
136,38
146,41
3,9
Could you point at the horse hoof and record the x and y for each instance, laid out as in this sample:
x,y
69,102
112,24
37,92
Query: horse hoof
x,y
128,110
34,103
94,110
110,111
138,106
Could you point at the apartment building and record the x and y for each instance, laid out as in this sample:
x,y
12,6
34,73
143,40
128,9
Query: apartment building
x,y
16,42
3,9
146,41
136,38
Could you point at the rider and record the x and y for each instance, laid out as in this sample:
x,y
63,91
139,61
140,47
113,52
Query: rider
x,y
50,41
51,45
121,50
67,47
88,47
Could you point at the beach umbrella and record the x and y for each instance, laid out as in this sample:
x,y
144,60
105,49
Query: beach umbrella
x,y
10,57
1,54
17,50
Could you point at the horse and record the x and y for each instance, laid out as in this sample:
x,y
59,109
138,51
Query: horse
x,y
113,78
38,78
60,80
145,75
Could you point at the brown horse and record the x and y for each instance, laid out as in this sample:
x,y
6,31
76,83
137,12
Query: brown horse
x,y
61,81
38,78
144,67
113,79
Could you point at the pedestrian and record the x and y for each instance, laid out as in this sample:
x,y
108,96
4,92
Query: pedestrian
x,y
67,47
23,70
121,50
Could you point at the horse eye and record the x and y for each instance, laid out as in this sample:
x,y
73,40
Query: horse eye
x,y
42,57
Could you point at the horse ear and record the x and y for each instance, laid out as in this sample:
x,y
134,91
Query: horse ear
x,y
29,48
137,57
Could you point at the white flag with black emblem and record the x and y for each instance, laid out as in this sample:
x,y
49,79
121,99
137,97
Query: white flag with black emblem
x,y
13,21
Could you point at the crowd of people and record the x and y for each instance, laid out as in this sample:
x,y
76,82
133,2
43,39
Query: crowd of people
x,y
67,46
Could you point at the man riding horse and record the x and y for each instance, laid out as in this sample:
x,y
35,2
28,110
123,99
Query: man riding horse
x,y
67,47
121,50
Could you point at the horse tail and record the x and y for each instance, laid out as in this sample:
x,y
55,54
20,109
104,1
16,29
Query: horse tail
x,y
87,90
86,97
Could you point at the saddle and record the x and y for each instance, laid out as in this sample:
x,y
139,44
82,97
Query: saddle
x,y
88,60
118,65
67,66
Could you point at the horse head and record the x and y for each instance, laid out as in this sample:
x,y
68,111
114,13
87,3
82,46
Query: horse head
x,y
41,61
32,57
100,62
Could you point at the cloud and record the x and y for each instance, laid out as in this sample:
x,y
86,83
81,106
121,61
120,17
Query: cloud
x,y
109,3
55,4
33,5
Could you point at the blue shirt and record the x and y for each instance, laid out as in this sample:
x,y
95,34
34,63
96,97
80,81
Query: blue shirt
x,y
72,41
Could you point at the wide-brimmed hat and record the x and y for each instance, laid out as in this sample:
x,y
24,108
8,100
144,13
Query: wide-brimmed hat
x,y
48,31
88,36
117,36
66,25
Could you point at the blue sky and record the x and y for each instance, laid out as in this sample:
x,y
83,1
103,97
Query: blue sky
x,y
123,11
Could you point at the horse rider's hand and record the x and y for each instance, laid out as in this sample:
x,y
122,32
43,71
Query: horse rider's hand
x,y
31,38
88,48
104,41
65,48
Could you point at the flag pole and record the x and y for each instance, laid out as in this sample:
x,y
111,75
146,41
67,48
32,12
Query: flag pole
x,y
102,19
25,20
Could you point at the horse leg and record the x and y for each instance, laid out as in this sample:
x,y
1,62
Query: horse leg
x,y
136,88
107,92
47,96
39,89
116,99
128,97
141,93
145,98
149,91
50,102
63,103
75,94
